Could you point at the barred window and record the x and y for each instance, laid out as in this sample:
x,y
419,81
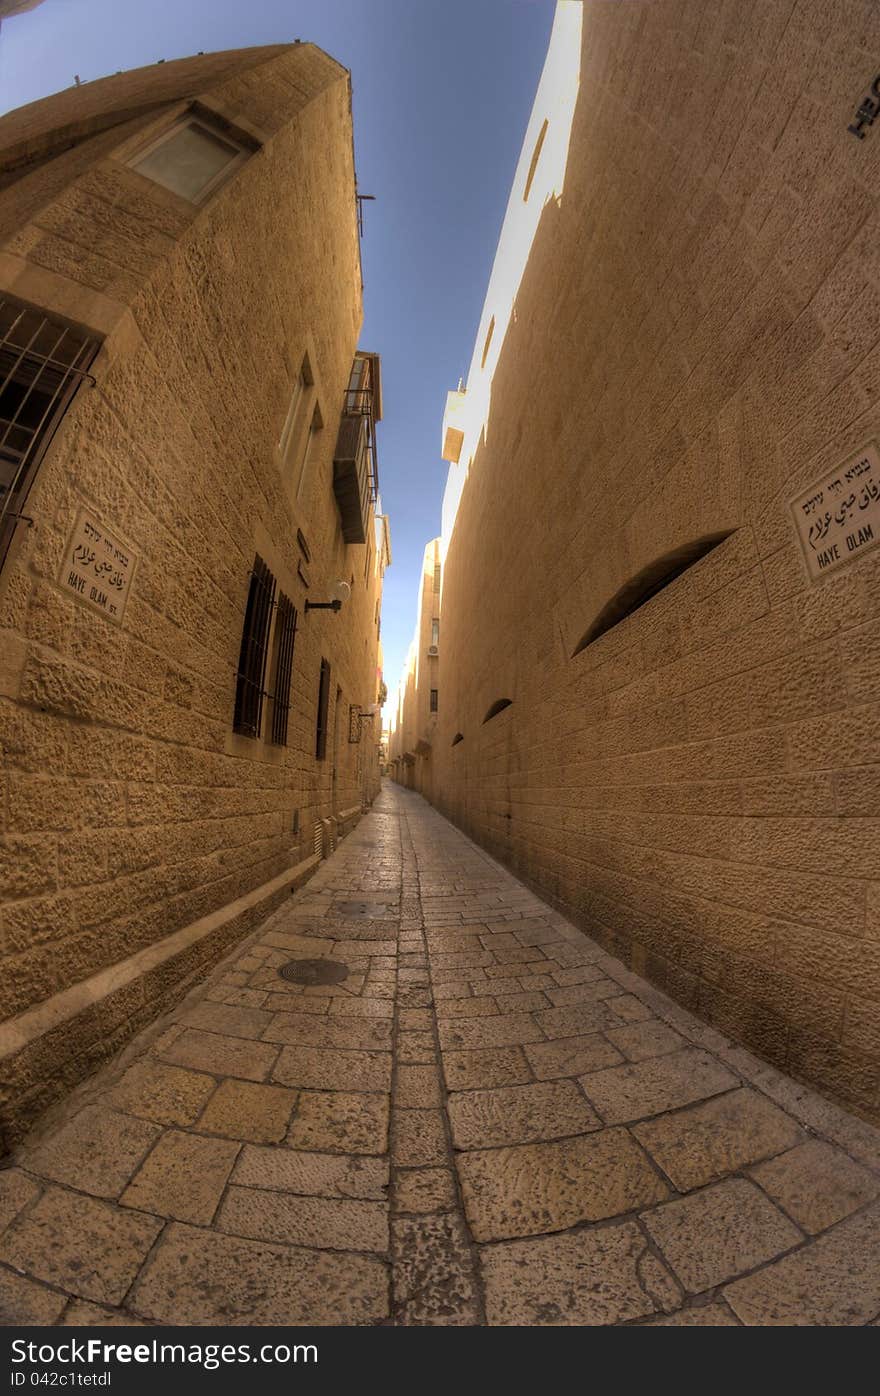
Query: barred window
x,y
249,692
433,700
191,158
285,636
323,704
42,363
437,577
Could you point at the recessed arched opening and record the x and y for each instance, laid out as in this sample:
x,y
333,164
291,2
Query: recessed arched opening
x,y
536,155
498,706
459,737
647,583
489,334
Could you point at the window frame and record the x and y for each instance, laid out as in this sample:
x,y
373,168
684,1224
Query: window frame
x,y
321,726
253,655
28,368
193,117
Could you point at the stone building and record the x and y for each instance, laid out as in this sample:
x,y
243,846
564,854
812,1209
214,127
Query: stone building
x,y
192,543
660,667
414,720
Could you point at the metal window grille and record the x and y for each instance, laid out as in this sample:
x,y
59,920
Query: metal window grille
x,y
42,363
249,691
437,577
323,704
285,637
355,722
433,700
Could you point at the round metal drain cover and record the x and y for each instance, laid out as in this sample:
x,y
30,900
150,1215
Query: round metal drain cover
x,y
314,971
376,909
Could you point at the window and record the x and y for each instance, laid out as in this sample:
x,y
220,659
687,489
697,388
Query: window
x,y
282,669
323,704
433,700
191,158
536,155
314,427
435,631
497,707
249,691
647,583
42,363
437,579
298,404
489,335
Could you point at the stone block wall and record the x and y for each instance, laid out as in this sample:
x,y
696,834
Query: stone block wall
x,y
695,344
130,808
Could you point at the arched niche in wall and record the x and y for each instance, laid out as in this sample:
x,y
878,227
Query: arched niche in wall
x,y
498,706
647,583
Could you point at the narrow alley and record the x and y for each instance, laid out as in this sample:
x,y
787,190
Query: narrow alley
x,y
488,1120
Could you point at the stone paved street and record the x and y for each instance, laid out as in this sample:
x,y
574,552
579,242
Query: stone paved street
x,y
490,1121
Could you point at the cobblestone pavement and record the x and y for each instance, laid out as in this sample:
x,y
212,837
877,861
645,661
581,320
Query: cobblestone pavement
x,y
489,1121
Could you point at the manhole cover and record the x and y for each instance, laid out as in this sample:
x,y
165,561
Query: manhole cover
x,y
375,909
314,971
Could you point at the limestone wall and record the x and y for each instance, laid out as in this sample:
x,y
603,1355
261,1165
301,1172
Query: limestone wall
x,y
130,808
694,346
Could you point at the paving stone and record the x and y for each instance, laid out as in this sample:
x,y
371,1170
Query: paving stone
x,y
361,1008
183,1177
594,1277
702,1316
580,974
84,1246
629,1008
519,1114
817,1184
651,1038
698,1145
97,1151
479,1006
594,992
533,1188
17,1190
520,1002
576,1020
417,1087
200,1277
285,1000
433,1272
571,1056
418,1018
323,1068
418,1137
83,1315
167,1094
494,1066
333,1223
424,1190
340,1122
662,1083
718,1233
347,1034
228,1021
416,1048
247,1110
224,1056
23,1301
504,1030
835,1281
320,1175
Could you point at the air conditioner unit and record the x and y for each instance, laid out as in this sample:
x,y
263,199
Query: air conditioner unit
x,y
433,650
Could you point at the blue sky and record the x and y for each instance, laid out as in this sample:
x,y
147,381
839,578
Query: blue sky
x,y
442,95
